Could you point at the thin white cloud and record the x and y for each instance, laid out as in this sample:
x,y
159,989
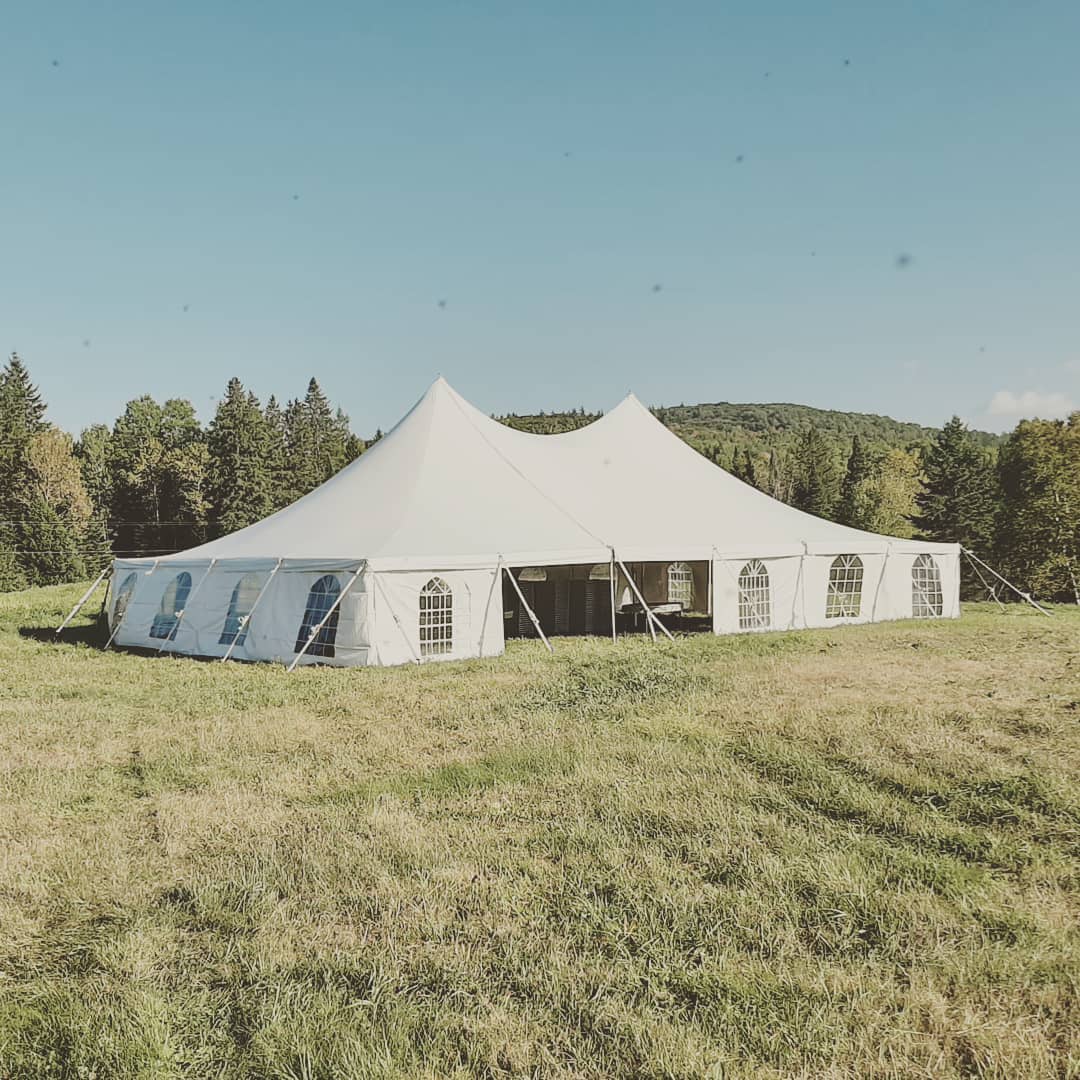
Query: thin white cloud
x,y
1072,365
1028,404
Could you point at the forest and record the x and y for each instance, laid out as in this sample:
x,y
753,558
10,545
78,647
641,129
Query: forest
x,y
158,481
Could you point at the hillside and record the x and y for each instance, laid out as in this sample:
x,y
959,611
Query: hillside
x,y
759,427
840,853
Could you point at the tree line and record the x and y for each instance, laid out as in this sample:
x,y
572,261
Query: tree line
x,y
158,481
154,482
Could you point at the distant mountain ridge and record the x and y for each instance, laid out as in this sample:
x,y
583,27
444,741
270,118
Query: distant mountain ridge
x,y
762,425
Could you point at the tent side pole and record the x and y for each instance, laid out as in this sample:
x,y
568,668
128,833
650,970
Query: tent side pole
x,y
800,588
880,581
648,610
1023,595
242,628
325,619
487,607
709,597
611,590
525,604
82,600
187,603
116,629
394,616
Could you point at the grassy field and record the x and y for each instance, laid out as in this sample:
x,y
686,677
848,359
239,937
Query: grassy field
x,y
843,853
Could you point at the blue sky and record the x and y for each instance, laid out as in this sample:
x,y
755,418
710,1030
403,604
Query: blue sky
x,y
698,201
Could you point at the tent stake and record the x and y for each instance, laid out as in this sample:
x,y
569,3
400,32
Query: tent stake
x,y
1019,592
322,622
648,610
525,604
242,628
82,600
171,636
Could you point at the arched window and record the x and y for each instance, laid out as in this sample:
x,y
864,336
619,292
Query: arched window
x,y
926,596
244,595
436,618
680,585
123,598
844,599
173,602
755,602
321,599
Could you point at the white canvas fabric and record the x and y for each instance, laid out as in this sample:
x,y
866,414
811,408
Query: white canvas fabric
x,y
451,494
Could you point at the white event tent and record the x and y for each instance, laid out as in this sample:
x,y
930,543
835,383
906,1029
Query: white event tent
x,y
415,550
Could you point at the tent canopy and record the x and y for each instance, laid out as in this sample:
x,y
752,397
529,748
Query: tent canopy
x,y
449,487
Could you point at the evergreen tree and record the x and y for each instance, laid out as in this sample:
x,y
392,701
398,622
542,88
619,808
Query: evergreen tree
x,y
277,454
315,438
778,480
859,468
354,447
158,464
43,504
816,486
92,451
743,467
1039,532
958,501
22,415
239,448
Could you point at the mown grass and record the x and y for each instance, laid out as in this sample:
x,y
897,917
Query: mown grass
x,y
845,853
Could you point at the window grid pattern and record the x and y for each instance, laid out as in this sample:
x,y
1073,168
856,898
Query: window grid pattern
x,y
123,598
755,601
244,595
436,618
927,600
844,598
173,601
680,585
321,599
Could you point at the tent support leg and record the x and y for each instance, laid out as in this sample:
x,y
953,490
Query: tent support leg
x,y
880,581
116,629
709,597
82,600
242,628
1023,595
990,590
525,604
611,590
648,610
393,614
487,608
325,619
183,611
